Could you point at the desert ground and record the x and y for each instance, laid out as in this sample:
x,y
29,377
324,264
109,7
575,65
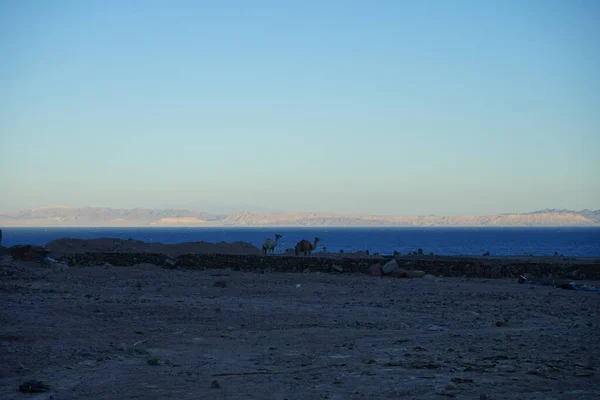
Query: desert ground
x,y
143,332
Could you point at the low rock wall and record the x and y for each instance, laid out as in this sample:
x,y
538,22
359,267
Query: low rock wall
x,y
476,267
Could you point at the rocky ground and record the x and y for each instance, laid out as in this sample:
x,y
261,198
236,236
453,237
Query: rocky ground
x,y
77,246
151,333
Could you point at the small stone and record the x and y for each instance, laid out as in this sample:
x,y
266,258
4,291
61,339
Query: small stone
x,y
429,277
337,268
153,361
435,328
34,386
450,386
462,380
215,385
84,353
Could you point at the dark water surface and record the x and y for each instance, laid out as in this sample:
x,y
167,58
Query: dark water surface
x,y
581,242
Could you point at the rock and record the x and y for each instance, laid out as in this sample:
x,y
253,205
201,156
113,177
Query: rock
x,y
215,385
375,270
416,274
170,262
28,252
34,386
461,380
389,267
400,273
429,277
154,361
84,353
435,328
337,268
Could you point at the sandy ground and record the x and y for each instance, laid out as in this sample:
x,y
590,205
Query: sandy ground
x,y
94,332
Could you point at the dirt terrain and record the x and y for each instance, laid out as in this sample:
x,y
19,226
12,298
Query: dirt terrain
x,y
148,333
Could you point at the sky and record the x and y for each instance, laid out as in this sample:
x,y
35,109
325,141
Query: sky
x,y
380,107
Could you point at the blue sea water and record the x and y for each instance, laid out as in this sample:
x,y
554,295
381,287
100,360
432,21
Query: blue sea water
x,y
576,242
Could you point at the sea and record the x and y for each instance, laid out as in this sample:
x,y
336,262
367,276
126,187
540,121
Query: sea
x,y
572,242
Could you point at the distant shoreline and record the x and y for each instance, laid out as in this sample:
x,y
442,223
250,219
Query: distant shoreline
x,y
275,227
103,217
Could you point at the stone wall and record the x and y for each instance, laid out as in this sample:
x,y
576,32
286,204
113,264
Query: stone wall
x,y
446,266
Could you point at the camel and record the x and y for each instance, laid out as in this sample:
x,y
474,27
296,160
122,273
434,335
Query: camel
x,y
304,246
269,244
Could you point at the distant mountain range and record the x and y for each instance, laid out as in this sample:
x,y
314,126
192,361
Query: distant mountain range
x,y
61,216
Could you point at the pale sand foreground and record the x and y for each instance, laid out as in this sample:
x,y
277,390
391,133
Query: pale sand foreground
x,y
89,332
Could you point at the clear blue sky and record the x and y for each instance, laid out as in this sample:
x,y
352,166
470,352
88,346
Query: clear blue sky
x,y
386,107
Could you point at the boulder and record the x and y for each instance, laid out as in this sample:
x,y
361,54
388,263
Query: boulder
x,y
375,270
389,267
400,273
28,253
416,274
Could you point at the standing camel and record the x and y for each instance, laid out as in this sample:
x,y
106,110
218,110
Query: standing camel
x,y
270,244
304,246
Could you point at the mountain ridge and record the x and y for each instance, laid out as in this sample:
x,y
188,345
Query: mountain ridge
x,y
62,216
